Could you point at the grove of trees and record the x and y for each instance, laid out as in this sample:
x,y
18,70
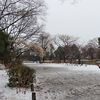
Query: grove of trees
x,y
66,48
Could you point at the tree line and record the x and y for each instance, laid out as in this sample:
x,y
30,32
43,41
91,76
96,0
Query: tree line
x,y
65,48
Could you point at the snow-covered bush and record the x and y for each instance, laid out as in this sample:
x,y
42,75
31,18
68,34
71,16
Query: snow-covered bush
x,y
21,76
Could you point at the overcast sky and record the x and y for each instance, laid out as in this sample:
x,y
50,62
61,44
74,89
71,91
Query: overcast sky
x,y
81,19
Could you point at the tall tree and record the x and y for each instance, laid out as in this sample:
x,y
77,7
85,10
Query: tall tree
x,y
20,19
65,41
59,54
75,53
92,48
98,52
45,41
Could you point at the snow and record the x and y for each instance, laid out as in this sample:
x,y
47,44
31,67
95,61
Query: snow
x,y
7,93
2,66
57,82
71,67
67,81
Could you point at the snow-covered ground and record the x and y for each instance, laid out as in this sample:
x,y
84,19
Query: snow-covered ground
x,y
58,82
67,82
11,94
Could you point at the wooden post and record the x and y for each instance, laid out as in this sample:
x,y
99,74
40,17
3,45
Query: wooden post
x,y
33,93
33,96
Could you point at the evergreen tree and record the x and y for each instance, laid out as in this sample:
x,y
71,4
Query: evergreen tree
x,y
4,45
99,41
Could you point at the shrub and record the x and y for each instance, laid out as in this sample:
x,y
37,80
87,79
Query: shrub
x,y
21,76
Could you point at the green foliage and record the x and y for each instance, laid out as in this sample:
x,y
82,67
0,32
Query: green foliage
x,y
4,43
21,76
99,41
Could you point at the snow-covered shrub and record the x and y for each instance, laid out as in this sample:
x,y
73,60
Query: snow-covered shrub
x,y
21,76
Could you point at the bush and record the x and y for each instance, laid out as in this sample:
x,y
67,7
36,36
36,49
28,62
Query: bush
x,y
21,76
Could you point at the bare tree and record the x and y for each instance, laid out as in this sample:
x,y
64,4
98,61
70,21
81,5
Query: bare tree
x,y
21,20
65,41
93,43
45,41
92,48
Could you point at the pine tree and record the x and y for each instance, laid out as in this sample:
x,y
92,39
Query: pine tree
x,y
4,45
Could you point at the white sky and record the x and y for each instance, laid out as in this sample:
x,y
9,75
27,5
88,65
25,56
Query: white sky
x,y
81,19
